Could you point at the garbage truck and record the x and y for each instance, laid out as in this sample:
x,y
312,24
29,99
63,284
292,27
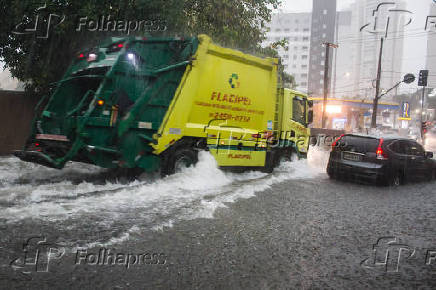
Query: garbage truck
x,y
153,103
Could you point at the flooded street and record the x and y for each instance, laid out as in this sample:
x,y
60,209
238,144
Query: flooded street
x,y
82,207
204,228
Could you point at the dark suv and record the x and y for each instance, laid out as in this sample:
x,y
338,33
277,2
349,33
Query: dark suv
x,y
389,160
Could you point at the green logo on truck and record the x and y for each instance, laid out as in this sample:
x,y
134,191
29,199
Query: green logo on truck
x,y
233,81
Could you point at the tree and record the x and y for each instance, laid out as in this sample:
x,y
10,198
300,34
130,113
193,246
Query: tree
x,y
288,81
40,61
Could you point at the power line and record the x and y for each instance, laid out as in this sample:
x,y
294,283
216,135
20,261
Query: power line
x,y
362,39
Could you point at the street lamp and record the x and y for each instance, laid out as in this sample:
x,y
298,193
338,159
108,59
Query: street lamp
x,y
407,79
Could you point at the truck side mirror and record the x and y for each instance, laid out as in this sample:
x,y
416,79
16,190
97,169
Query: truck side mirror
x,y
310,117
429,154
310,103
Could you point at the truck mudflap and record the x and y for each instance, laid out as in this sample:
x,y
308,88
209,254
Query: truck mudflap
x,y
37,157
44,159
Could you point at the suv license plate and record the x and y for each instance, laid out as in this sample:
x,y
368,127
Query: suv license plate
x,y
352,157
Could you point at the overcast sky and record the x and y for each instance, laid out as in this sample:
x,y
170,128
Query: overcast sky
x,y
415,47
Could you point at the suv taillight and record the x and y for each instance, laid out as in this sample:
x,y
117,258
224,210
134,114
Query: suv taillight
x,y
381,155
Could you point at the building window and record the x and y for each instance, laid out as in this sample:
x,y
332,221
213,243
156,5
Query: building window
x,y
304,75
305,38
303,84
324,26
304,56
305,48
295,47
278,30
304,66
295,38
321,82
306,29
323,35
296,29
324,12
295,56
294,66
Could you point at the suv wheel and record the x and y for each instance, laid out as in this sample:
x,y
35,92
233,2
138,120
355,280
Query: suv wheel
x,y
396,179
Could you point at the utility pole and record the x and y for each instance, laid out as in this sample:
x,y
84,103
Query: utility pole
x,y
377,87
422,82
336,54
422,104
326,79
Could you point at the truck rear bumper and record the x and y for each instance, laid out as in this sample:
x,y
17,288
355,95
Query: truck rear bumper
x,y
37,157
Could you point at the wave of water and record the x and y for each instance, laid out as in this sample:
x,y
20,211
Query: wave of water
x,y
116,210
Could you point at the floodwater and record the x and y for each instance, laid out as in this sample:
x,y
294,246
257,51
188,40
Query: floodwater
x,y
87,208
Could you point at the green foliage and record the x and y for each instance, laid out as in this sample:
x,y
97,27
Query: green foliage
x,y
288,81
284,43
39,61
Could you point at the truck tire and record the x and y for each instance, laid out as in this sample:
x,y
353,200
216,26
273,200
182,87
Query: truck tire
x,y
181,158
285,155
270,162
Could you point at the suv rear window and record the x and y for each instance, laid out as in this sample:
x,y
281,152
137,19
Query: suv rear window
x,y
357,144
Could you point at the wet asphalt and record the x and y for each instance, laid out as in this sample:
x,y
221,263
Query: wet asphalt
x,y
297,234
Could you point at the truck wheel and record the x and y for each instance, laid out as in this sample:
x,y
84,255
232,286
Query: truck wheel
x,y
270,162
182,158
284,156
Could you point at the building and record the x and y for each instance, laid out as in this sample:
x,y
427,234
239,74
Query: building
x,y
342,78
358,52
322,30
295,28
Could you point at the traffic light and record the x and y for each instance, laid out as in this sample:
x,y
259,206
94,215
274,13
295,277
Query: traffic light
x,y
423,75
425,126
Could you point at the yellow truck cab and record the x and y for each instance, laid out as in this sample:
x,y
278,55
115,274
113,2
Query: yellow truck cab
x,y
296,116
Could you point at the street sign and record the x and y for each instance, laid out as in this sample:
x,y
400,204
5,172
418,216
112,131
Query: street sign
x,y
409,78
423,75
405,111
